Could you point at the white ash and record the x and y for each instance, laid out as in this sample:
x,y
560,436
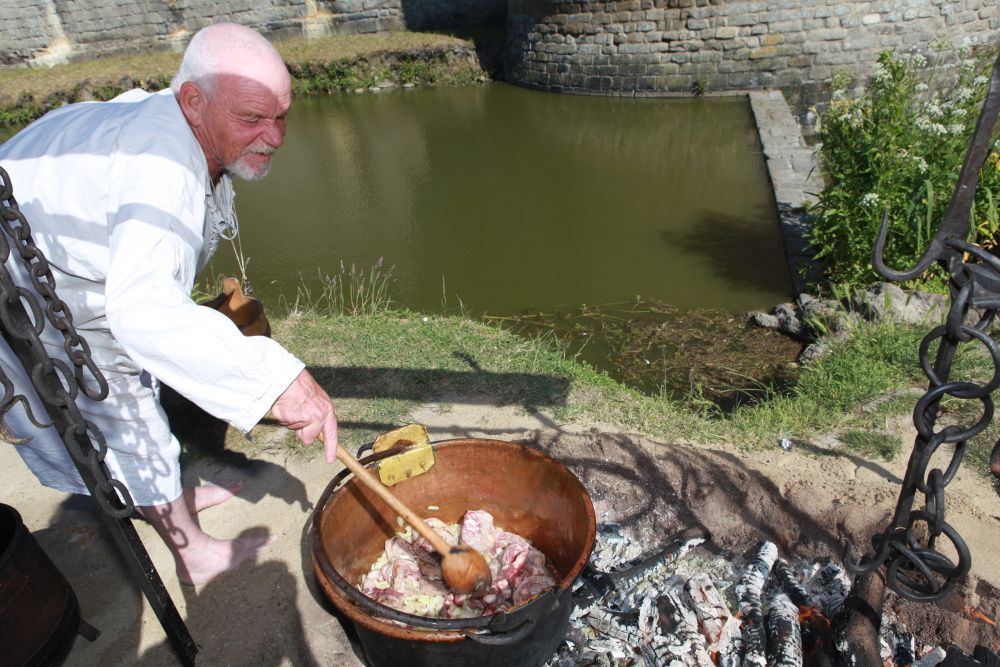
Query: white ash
x,y
612,548
622,630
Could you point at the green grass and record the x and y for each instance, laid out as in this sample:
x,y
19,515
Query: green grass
x,y
380,365
834,392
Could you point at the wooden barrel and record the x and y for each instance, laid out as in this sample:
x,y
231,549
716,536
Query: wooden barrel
x,y
39,613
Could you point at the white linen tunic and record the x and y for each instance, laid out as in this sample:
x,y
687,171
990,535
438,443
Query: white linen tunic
x,y
119,200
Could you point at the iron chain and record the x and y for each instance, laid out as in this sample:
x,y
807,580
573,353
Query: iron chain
x,y
57,383
916,566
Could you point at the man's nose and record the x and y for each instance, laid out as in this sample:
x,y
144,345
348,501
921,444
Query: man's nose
x,y
274,133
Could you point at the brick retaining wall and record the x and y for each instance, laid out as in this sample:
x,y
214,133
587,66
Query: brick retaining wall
x,y
639,46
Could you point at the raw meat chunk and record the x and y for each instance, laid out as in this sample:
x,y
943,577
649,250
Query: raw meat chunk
x,y
407,576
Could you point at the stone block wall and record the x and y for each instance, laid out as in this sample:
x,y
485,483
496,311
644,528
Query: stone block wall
x,y
656,46
41,32
24,30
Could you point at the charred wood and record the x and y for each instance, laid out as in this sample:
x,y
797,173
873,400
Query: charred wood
x,y
902,647
657,565
617,625
709,606
649,617
932,658
981,657
792,585
856,629
598,588
829,588
730,649
748,595
684,643
784,640
720,627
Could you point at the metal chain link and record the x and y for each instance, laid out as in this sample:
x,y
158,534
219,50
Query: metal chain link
x,y
56,382
910,547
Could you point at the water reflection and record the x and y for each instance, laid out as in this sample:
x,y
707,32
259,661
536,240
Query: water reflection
x,y
518,200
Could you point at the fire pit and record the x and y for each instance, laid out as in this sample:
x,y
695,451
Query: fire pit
x,y
649,496
527,492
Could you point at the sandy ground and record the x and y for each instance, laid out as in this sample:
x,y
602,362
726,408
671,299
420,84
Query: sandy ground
x,y
270,613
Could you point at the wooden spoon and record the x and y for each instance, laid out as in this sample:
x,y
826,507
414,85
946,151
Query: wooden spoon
x,y
463,569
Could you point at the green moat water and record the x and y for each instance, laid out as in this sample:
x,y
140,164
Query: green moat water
x,y
509,200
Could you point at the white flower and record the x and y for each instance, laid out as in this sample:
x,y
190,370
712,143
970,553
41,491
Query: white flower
x,y
979,80
917,161
870,199
956,128
925,124
921,87
963,94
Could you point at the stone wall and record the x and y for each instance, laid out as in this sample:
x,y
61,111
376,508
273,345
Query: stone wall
x,y
656,46
41,32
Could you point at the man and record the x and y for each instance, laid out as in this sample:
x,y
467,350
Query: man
x,y
127,200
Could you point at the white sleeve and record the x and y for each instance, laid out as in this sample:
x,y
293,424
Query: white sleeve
x,y
194,349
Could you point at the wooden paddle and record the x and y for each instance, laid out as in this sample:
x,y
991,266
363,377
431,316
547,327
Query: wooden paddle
x,y
463,569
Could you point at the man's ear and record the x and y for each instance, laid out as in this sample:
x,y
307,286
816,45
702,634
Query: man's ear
x,y
192,100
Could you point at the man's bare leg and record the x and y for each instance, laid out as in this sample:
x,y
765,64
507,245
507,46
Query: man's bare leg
x,y
202,497
199,557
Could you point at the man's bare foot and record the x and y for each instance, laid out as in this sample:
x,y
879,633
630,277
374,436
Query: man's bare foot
x,y
199,565
202,497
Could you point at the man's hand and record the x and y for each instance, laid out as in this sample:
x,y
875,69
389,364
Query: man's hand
x,y
306,409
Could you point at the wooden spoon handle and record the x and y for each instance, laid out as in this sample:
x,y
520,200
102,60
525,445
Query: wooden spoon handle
x,y
367,478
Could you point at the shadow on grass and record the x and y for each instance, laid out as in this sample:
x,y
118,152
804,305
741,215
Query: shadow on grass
x,y
201,434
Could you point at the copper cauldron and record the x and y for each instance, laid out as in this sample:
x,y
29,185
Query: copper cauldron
x,y
526,491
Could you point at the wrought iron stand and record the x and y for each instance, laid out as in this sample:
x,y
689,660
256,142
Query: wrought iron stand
x,y
58,385
908,548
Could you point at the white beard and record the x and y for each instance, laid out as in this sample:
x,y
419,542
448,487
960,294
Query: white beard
x,y
241,168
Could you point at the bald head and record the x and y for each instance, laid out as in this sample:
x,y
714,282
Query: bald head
x,y
234,91
232,51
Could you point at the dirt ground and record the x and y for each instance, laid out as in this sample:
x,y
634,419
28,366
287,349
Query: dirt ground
x,y
269,612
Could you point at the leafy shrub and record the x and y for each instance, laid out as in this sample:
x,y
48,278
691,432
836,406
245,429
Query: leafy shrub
x,y
899,146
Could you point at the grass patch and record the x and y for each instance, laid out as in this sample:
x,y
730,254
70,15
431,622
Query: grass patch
x,y
833,393
872,444
381,365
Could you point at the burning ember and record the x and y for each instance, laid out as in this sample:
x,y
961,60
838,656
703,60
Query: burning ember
x,y
688,606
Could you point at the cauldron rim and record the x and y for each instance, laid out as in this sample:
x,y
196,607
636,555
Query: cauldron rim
x,y
379,617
